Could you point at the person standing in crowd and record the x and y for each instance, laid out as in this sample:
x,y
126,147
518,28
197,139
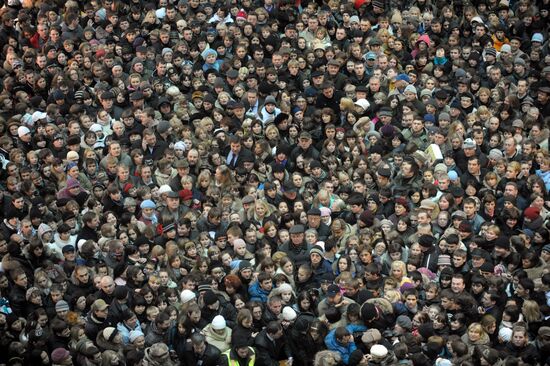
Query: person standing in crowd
x,y
190,182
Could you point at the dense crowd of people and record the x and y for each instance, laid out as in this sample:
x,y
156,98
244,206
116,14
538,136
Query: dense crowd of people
x,y
274,182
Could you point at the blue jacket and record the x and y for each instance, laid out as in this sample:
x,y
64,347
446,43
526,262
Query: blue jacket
x,y
344,351
125,331
545,176
257,293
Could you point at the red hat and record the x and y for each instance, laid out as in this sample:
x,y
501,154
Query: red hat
x,y
358,3
241,14
531,213
127,187
186,194
60,355
100,53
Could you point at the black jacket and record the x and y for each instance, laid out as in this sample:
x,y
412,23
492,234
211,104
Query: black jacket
x,y
18,300
87,234
298,254
210,356
93,326
270,352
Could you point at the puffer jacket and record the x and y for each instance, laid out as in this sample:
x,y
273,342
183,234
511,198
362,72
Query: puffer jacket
x,y
257,293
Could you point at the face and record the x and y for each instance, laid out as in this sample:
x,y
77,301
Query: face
x,y
457,285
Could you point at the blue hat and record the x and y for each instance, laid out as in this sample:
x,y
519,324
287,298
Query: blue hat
x,y
371,56
455,104
403,77
452,175
311,92
207,52
147,204
537,37
71,165
429,118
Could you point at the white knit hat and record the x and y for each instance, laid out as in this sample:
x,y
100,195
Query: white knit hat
x,y
135,334
288,314
22,131
187,295
378,350
165,188
218,323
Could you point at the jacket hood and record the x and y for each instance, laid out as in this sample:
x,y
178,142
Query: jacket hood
x,y
424,38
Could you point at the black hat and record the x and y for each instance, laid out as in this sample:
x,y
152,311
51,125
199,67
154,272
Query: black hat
x,y
172,194
314,211
327,277
297,229
232,74
487,267
316,73
137,95
68,216
384,172
502,242
426,241
73,140
333,290
142,240
244,265
68,249
210,297
457,191
107,95
314,164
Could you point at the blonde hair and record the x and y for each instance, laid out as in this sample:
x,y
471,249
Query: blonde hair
x,y
531,311
399,265
347,104
392,296
476,327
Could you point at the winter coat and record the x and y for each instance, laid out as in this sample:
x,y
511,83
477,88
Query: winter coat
x,y
344,351
298,254
483,341
269,353
210,356
220,341
257,293
240,332
93,326
125,331
154,335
